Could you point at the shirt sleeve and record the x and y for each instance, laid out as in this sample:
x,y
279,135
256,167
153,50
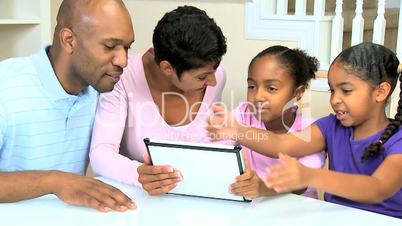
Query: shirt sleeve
x,y
394,144
324,124
107,134
3,128
221,82
315,160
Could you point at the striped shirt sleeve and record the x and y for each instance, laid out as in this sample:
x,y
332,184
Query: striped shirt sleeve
x,y
3,127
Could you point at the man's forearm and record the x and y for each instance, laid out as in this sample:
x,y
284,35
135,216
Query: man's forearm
x,y
16,186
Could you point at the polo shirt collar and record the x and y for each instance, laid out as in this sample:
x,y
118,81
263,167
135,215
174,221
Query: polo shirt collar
x,y
47,77
51,84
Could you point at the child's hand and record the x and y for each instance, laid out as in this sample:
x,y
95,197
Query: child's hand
x,y
248,184
222,125
287,176
157,180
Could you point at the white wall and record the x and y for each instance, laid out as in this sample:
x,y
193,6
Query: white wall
x,y
54,4
229,15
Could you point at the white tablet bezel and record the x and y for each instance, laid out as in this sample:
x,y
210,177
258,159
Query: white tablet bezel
x,y
208,169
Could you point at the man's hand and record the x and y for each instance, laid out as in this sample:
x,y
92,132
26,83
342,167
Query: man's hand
x,y
85,191
157,180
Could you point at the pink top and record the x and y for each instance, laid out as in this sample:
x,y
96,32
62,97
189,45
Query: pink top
x,y
260,162
128,114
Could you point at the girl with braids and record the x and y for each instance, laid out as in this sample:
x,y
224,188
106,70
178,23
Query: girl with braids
x,y
277,79
364,147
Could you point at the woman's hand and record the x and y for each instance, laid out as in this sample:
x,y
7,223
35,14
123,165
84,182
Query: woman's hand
x,y
157,180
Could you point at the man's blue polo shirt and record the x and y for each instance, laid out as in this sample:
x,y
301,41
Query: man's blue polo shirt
x,y
41,126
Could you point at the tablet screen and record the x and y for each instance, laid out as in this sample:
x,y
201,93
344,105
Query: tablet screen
x,y
207,169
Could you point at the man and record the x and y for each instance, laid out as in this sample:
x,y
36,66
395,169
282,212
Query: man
x,y
47,106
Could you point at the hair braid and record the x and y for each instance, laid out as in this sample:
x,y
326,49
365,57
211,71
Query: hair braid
x,y
376,148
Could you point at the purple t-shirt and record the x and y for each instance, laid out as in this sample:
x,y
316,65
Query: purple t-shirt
x,y
344,156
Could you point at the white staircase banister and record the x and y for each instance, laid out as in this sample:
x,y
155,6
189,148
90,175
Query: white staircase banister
x,y
281,7
358,24
319,8
397,90
399,36
301,7
379,24
337,31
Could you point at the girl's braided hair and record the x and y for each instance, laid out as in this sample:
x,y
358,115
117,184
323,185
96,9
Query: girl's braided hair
x,y
375,64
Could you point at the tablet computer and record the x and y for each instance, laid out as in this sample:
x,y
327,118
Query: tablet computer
x,y
207,169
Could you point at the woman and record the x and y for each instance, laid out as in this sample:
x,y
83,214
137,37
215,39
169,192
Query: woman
x,y
164,93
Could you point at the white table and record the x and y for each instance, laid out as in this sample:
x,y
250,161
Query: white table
x,y
167,210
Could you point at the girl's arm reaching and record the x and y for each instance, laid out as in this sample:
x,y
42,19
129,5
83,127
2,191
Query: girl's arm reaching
x,y
381,185
223,125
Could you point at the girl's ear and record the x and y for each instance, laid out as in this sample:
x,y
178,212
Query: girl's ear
x,y
167,68
299,92
382,91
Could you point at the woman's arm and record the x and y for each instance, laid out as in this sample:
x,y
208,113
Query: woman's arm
x,y
109,126
107,134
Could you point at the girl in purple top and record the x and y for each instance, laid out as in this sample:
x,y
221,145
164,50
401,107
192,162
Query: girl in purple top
x,y
277,79
364,147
